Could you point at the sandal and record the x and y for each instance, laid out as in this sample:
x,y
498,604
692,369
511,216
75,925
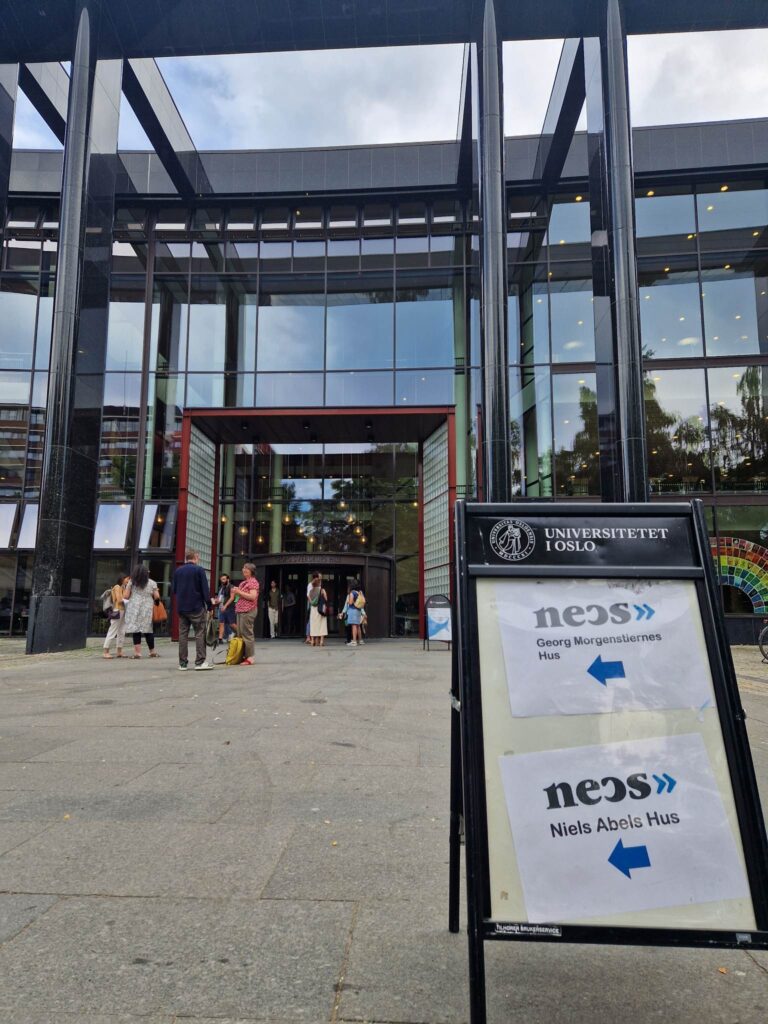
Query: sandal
x,y
137,657
154,654
246,661
107,655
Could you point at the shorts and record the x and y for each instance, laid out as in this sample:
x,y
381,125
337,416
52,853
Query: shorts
x,y
228,616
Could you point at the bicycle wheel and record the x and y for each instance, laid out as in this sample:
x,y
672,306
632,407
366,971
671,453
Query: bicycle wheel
x,y
762,642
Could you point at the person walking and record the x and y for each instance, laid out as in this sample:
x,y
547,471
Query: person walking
x,y
224,601
141,595
353,607
116,629
193,603
289,611
274,597
318,614
315,581
247,594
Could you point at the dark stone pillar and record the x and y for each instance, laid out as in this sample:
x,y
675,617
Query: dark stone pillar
x,y
9,79
493,259
621,414
60,606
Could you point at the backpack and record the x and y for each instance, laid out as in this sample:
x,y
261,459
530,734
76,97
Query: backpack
x,y
322,607
235,651
106,601
360,600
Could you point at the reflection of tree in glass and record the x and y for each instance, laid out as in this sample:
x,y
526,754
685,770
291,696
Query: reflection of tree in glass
x,y
740,438
577,469
677,447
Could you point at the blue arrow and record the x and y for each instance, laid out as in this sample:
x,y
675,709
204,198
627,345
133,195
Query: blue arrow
x,y
650,612
627,858
640,612
665,781
604,670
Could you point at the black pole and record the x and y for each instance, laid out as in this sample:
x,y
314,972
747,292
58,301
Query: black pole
x,y
629,362
457,803
493,260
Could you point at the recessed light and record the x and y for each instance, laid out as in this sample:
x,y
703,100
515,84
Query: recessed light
x,y
723,188
650,192
710,208
579,198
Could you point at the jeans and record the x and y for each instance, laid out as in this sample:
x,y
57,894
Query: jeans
x,y
245,623
197,621
274,614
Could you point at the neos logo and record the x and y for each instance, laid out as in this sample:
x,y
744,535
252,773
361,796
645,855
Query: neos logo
x,y
611,788
512,540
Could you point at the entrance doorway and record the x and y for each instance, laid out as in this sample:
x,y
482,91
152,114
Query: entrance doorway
x,y
294,580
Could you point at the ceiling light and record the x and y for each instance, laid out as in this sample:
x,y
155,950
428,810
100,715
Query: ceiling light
x,y
710,208
723,188
650,192
579,198
727,266
690,237
755,234
666,270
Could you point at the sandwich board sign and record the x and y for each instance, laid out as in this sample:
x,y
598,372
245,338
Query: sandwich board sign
x,y
437,609
609,793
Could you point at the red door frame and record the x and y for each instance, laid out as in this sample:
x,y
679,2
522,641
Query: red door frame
x,y
255,414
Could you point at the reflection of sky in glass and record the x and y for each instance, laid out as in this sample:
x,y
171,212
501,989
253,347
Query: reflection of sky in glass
x,y
122,390
289,389
359,333
111,527
14,388
566,396
724,388
569,222
291,336
205,390
28,531
17,328
573,337
207,336
44,327
670,318
664,215
303,489
125,335
425,331
730,313
7,519
719,211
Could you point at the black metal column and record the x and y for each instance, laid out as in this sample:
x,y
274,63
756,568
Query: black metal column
x,y
60,603
9,79
493,259
621,415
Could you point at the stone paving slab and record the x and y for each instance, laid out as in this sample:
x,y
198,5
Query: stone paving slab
x,y
16,912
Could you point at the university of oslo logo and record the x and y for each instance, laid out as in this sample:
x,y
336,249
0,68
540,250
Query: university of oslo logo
x,y
512,540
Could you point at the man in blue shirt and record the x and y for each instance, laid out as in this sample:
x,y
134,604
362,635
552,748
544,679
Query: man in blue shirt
x,y
193,602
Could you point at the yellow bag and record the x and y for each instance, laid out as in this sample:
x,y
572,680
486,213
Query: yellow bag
x,y
235,651
360,600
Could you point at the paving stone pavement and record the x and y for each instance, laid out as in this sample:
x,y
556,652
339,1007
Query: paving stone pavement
x,y
270,845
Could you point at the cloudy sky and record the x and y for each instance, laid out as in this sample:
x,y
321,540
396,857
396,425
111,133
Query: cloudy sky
x,y
347,97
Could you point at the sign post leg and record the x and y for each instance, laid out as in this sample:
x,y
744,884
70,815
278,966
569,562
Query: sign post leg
x,y
454,836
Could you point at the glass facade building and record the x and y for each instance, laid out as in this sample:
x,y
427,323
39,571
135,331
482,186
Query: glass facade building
x,y
300,357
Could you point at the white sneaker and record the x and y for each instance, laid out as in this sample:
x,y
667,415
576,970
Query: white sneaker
x,y
205,667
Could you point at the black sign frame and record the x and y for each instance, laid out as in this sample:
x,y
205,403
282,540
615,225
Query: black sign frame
x,y
476,559
436,601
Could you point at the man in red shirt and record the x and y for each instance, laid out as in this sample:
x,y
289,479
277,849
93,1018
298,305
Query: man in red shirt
x,y
247,605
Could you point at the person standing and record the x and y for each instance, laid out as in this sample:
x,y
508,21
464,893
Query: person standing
x,y
224,602
116,629
193,602
247,594
353,607
142,595
318,614
289,611
274,598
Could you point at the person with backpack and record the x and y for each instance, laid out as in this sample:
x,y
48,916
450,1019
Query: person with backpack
x,y
113,604
247,594
318,614
193,603
354,608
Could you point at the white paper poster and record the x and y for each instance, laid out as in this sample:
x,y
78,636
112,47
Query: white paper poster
x,y
618,828
582,647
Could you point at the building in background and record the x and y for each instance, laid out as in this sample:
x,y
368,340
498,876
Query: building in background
x,y
291,357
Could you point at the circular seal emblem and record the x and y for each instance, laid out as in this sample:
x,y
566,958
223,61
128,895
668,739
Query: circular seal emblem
x,y
512,540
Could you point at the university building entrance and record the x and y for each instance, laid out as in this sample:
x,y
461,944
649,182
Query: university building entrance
x,y
350,493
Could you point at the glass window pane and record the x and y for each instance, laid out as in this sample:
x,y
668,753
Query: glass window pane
x,y
413,251
355,388
243,257
163,442
677,431
739,424
360,330
664,222
309,256
275,390
571,316
290,331
119,435
7,588
569,223
22,254
129,257
533,314
207,257
531,432
207,325
377,253
158,527
205,390
670,313
424,387
14,388
742,562
18,306
424,327
7,520
28,531
734,218
111,527
577,452
168,352
172,257
343,254
125,333
275,256
44,324
735,311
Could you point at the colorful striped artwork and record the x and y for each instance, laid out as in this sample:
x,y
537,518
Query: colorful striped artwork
x,y
744,565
